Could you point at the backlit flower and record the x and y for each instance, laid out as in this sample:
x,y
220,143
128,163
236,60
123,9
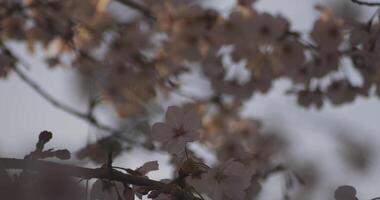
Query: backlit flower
x,y
181,126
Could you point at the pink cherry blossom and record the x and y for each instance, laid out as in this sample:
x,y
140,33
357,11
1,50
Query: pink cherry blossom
x,y
181,126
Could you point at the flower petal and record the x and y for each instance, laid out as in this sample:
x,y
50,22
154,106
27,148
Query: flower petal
x,y
191,136
191,120
175,145
233,188
161,132
174,116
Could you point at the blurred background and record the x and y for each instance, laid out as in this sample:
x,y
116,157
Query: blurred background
x,y
336,145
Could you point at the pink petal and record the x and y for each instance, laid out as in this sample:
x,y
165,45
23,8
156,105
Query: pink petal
x,y
161,132
234,168
191,120
233,188
191,136
214,190
174,116
175,146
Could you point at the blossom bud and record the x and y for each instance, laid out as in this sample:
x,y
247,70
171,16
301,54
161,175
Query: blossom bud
x,y
45,136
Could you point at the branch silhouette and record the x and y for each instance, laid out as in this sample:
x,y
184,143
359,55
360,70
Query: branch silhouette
x,y
365,3
86,116
79,172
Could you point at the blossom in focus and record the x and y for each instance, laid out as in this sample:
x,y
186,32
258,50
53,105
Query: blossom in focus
x,y
181,126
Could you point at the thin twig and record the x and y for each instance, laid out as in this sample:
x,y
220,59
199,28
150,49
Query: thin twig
x,y
365,3
87,116
47,96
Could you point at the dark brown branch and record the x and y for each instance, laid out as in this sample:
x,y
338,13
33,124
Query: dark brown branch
x,y
78,172
365,3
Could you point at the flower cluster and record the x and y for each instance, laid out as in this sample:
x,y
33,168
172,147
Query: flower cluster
x,y
243,153
133,59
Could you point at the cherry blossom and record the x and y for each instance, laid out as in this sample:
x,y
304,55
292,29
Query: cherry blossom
x,y
309,98
328,33
181,126
267,28
290,53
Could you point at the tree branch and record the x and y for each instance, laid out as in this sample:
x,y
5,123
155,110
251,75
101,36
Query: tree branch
x,y
78,172
84,116
365,3
47,96
88,116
